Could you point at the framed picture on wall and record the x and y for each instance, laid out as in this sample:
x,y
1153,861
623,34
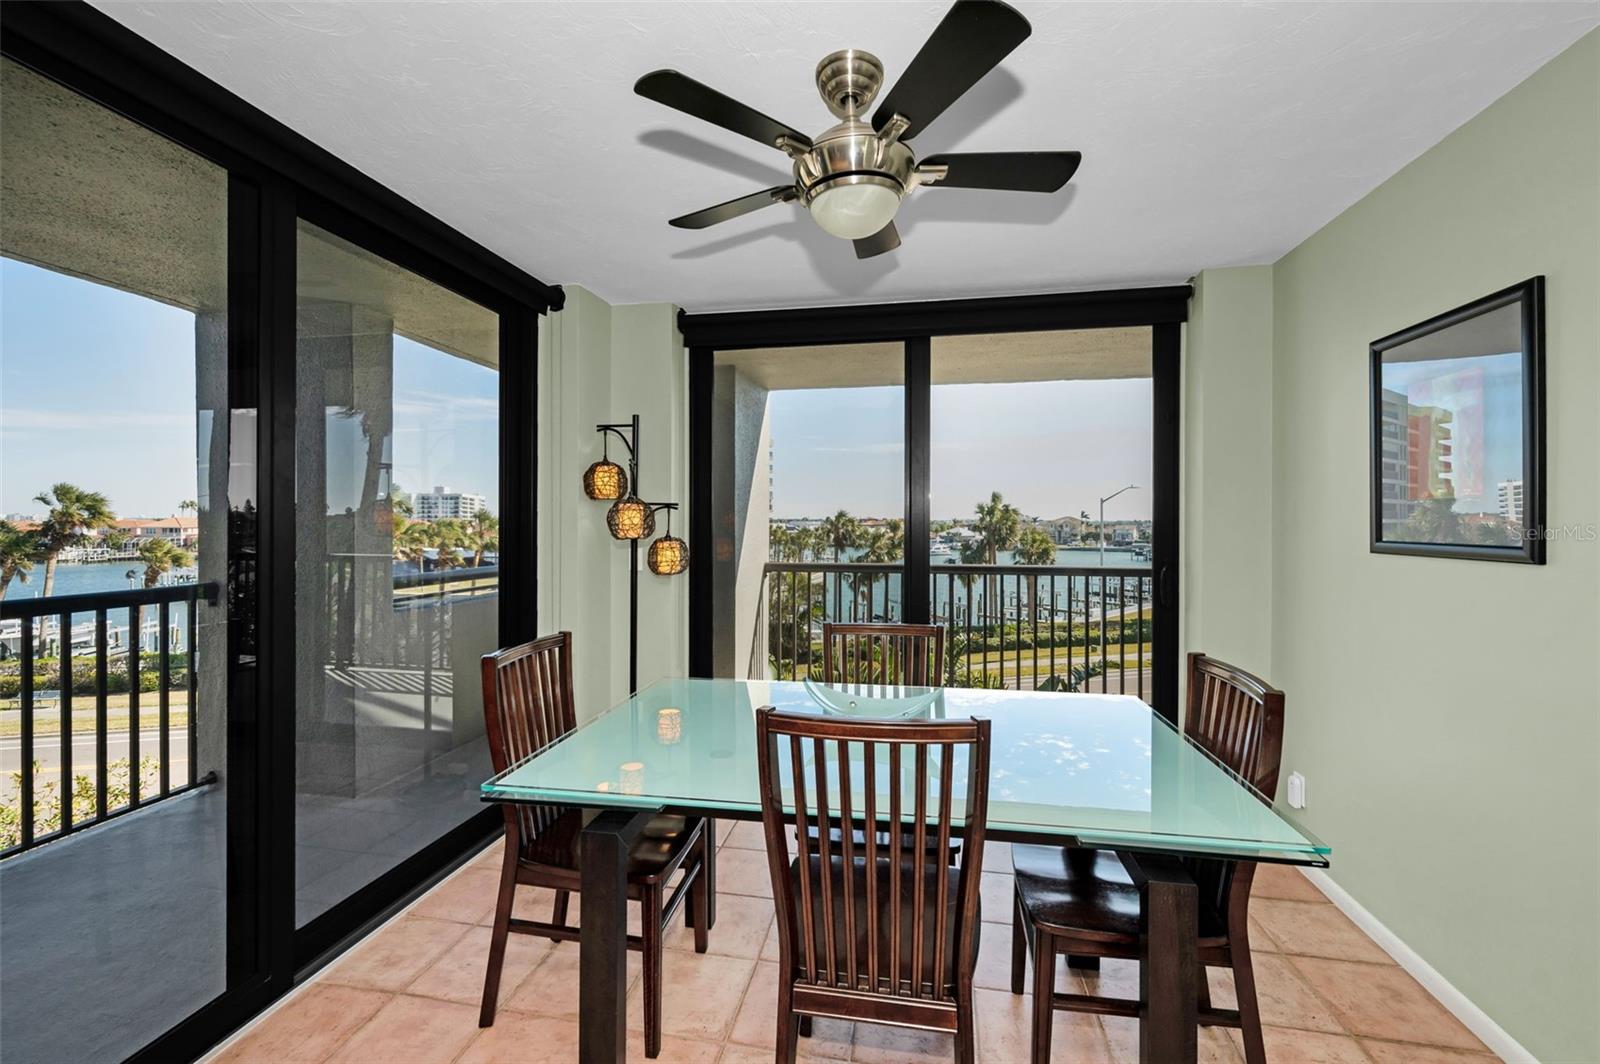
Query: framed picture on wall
x,y
1458,432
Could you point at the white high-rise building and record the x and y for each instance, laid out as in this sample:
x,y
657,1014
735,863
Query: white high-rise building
x,y
441,504
1511,501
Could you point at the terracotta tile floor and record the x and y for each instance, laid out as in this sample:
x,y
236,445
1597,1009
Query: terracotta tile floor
x,y
408,995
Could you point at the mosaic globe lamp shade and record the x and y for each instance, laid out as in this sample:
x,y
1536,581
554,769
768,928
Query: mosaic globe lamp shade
x,y
669,556
605,480
630,518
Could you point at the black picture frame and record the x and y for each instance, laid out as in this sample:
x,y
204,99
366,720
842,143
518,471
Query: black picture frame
x,y
1528,297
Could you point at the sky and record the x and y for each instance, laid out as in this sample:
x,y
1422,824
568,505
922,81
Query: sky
x,y
1052,448
97,388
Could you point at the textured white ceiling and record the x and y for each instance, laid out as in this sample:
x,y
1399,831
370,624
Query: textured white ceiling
x,y
1213,134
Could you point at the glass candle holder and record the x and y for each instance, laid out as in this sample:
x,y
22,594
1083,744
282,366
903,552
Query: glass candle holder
x,y
632,777
669,725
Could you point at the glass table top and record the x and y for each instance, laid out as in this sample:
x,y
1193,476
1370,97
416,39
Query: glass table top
x,y
1104,769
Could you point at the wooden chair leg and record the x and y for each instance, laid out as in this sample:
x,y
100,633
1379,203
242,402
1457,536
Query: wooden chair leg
x,y
498,934
559,916
650,931
1244,988
966,1048
1019,945
700,901
788,1023
803,1026
1044,986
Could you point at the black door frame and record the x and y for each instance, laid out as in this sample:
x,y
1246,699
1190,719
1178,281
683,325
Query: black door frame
x,y
914,325
276,176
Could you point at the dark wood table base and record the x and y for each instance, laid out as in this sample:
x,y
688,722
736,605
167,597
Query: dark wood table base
x,y
603,945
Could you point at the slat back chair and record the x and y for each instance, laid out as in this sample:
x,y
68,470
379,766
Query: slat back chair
x,y
873,925
527,705
898,654
1083,904
1238,718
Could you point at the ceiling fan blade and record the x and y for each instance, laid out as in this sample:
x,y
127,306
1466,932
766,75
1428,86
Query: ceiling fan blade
x,y
1012,171
723,212
692,98
885,239
974,36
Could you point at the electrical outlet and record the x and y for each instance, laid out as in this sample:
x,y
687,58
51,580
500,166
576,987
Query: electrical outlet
x,y
1297,791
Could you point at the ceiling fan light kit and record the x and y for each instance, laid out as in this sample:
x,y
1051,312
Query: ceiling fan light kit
x,y
853,177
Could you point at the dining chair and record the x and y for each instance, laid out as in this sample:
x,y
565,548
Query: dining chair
x,y
527,705
897,654
909,655
1084,903
880,931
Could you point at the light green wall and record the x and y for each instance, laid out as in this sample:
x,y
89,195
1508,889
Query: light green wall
x,y
1227,462
600,363
1447,713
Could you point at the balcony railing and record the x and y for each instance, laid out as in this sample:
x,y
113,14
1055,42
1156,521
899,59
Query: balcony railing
x,y
1018,626
102,647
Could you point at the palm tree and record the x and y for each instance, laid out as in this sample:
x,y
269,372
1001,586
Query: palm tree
x,y
885,543
997,526
18,551
481,533
74,514
411,542
841,532
780,542
189,504
449,536
160,557
1034,547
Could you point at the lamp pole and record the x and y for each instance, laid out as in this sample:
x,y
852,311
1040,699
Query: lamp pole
x,y
1103,502
628,433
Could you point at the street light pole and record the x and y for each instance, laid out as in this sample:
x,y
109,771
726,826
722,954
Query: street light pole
x,y
1103,502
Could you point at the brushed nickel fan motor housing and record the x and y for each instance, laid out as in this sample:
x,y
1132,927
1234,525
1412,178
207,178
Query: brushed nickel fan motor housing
x,y
852,153
849,80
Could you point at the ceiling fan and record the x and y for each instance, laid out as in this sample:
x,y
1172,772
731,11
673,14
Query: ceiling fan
x,y
853,176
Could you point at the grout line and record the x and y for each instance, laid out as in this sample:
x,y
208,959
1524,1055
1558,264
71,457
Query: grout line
x,y
294,993
1496,1038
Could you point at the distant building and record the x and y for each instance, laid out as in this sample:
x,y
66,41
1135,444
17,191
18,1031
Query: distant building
x,y
1063,529
1511,501
179,531
1415,459
442,504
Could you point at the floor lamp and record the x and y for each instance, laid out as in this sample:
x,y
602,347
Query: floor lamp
x,y
631,518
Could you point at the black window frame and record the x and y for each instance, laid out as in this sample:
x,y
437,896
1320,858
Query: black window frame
x,y
914,325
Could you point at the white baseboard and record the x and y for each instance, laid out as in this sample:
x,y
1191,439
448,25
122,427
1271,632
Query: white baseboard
x,y
1476,1020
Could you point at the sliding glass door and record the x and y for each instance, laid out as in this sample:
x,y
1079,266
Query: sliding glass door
x,y
1017,487
267,471
120,479
397,431
1042,509
808,468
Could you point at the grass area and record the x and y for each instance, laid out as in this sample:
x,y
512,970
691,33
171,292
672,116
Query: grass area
x,y
48,721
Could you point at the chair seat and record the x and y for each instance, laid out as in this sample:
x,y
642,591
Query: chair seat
x,y
655,853
1088,895
932,870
